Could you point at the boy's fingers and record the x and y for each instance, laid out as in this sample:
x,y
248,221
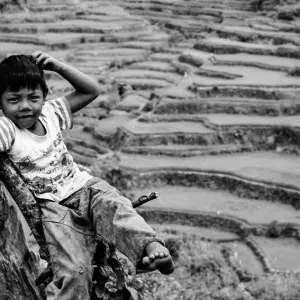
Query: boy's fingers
x,y
41,60
40,56
46,61
36,54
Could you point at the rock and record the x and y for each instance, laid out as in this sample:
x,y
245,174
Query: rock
x,y
19,267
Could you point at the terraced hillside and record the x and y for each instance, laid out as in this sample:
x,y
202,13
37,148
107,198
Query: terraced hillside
x,y
201,103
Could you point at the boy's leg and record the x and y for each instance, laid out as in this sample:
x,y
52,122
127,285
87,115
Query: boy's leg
x,y
71,245
115,219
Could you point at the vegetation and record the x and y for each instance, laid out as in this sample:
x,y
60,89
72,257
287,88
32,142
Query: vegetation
x,y
288,13
189,59
284,9
202,272
295,72
12,5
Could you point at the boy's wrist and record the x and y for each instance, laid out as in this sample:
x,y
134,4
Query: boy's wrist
x,y
60,67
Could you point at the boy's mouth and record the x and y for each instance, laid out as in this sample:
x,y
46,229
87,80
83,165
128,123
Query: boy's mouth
x,y
25,116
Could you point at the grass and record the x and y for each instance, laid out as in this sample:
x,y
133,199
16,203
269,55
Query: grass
x,y
282,253
166,127
244,255
189,59
268,167
169,77
153,66
244,75
288,12
198,199
226,46
197,265
222,105
201,272
295,72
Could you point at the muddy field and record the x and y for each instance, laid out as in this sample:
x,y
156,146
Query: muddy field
x,y
200,102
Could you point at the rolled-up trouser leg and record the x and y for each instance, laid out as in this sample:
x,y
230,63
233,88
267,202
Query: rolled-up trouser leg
x,y
115,219
71,246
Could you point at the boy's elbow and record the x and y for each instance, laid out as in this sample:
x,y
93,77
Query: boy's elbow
x,y
93,94
97,91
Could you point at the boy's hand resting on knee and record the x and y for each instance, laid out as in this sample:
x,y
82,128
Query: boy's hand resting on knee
x,y
158,258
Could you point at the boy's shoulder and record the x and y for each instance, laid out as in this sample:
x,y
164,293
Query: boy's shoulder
x,y
54,101
61,109
59,103
7,133
6,122
56,106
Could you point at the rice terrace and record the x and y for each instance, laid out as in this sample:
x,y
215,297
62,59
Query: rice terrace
x,y
200,102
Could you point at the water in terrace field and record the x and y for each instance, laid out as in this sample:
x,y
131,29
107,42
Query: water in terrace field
x,y
192,198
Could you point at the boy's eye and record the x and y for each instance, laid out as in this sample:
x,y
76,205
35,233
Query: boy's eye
x,y
12,100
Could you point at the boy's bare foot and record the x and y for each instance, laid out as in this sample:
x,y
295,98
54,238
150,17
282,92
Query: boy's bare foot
x,y
158,258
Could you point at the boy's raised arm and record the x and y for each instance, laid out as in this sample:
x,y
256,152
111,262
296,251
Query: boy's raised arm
x,y
86,88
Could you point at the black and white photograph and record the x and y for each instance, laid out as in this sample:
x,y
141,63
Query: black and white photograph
x,y
149,149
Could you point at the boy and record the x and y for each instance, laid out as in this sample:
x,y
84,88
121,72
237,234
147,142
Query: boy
x,y
77,209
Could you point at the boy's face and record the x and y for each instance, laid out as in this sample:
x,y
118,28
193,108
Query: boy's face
x,y
22,107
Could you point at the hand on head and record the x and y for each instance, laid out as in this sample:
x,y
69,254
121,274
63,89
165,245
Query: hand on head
x,y
46,61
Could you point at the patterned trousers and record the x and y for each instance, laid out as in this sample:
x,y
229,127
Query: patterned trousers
x,y
72,227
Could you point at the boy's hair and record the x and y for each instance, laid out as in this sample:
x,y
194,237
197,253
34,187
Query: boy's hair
x,y
20,71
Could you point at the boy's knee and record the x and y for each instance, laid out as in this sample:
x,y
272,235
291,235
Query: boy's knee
x,y
110,199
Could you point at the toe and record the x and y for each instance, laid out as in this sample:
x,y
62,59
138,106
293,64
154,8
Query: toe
x,y
152,257
146,261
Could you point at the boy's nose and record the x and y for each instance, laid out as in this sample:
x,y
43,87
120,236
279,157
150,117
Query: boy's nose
x,y
24,105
